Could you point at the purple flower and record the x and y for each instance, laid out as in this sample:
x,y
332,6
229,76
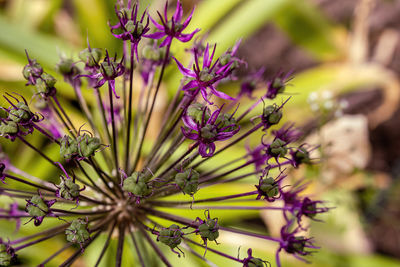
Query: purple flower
x,y
293,244
20,121
109,70
130,27
277,84
208,128
207,76
299,206
300,155
172,28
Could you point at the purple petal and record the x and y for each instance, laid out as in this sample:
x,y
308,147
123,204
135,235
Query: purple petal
x,y
190,85
156,35
167,41
203,148
185,71
188,19
178,12
188,134
156,24
187,37
220,94
205,57
112,85
189,122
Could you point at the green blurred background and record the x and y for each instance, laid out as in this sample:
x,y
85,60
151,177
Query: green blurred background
x,y
345,55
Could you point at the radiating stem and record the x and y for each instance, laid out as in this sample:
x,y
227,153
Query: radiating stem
x,y
151,107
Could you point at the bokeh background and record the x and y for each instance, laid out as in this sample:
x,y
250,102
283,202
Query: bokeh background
x,y
345,58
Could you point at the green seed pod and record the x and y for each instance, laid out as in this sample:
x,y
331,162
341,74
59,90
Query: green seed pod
x,y
225,120
298,245
196,111
279,85
188,181
87,145
272,115
269,187
5,256
33,69
209,229
65,66
77,232
38,208
108,69
21,113
68,189
206,76
171,236
208,132
256,262
302,156
224,59
49,80
136,185
8,127
278,148
90,57
68,147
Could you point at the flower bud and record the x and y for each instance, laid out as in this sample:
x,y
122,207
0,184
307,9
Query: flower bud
x,y
77,232
209,229
20,113
136,185
171,236
8,128
269,187
271,115
6,255
87,145
188,181
36,207
90,57
68,189
196,111
278,148
208,132
68,147
33,69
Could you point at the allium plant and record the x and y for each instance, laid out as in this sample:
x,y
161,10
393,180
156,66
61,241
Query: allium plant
x,y
110,185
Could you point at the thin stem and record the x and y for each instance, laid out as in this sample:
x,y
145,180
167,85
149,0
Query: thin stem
x,y
74,256
103,251
37,127
64,113
165,203
114,129
55,254
37,150
151,107
128,126
154,245
138,252
61,118
29,183
120,248
179,159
